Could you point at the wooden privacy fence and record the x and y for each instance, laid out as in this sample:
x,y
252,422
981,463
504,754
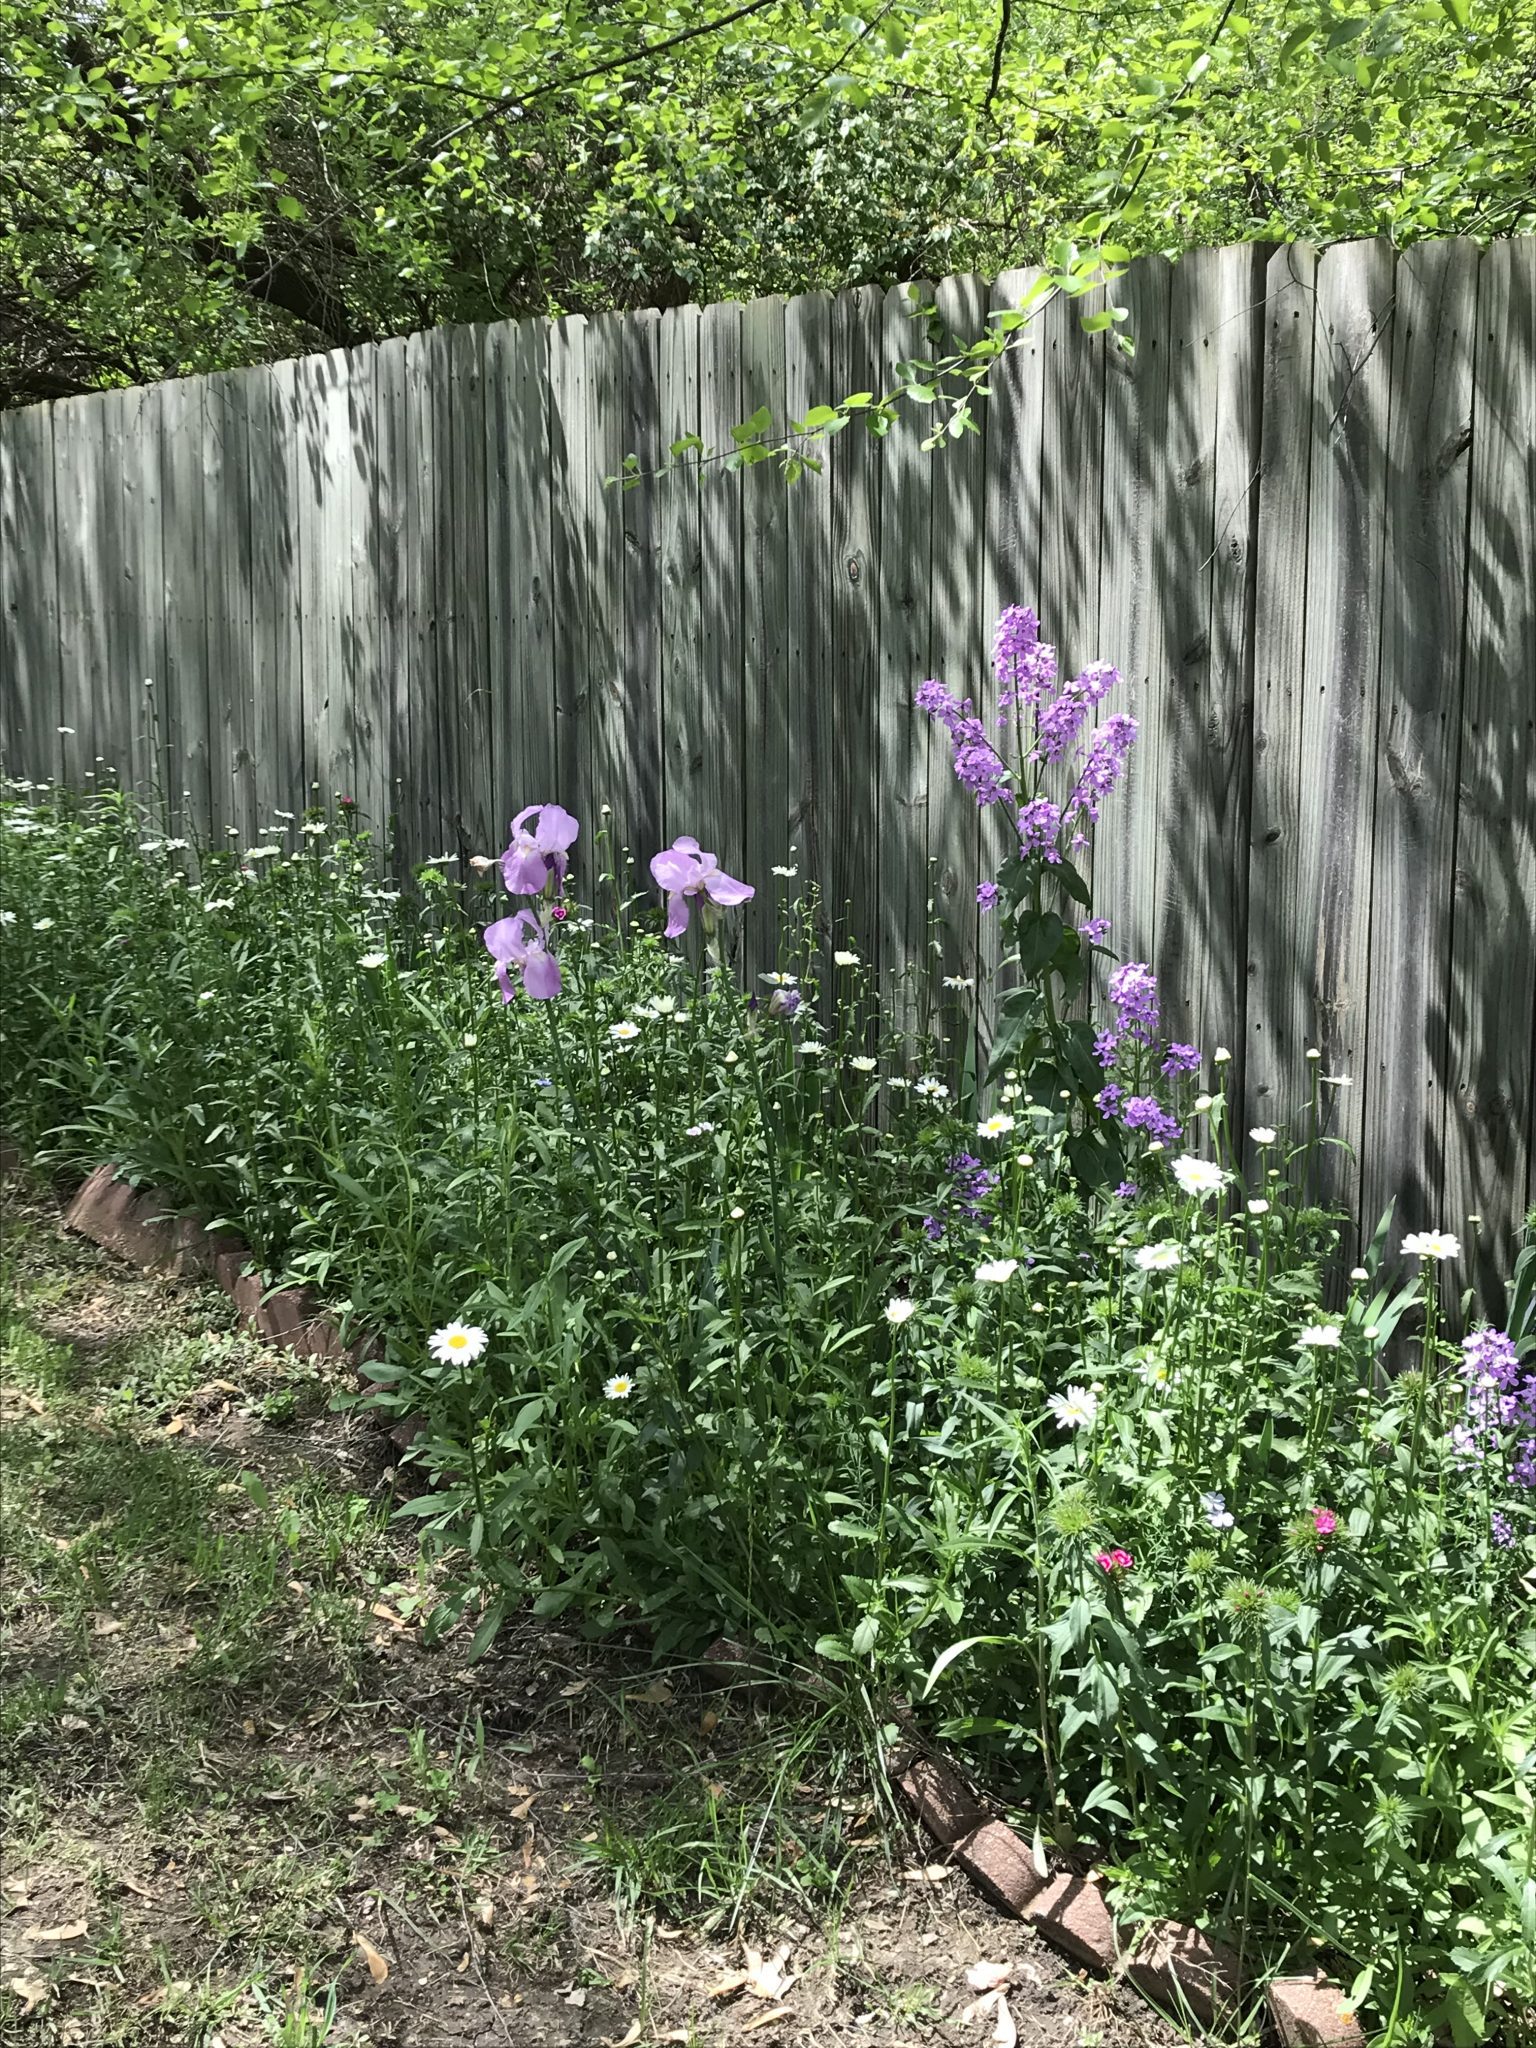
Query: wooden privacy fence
x,y
1300,521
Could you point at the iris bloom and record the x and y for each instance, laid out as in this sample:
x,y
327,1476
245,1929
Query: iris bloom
x,y
538,856
685,870
521,942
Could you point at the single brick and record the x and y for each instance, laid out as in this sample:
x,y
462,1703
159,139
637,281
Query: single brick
x,y
1311,2012
106,1211
1177,1965
1072,1916
285,1317
729,1662
941,1799
999,1863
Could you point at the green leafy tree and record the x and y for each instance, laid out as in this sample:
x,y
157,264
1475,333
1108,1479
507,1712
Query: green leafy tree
x,y
185,188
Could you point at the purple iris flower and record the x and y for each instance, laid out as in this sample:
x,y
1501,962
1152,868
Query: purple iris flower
x,y
522,942
538,856
685,870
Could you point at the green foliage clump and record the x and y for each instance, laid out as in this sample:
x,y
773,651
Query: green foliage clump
x,y
776,1326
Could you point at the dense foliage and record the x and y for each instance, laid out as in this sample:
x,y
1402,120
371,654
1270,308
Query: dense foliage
x,y
724,1308
192,188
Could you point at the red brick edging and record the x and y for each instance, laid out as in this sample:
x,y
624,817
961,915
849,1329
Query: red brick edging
x,y
144,1226
1177,1967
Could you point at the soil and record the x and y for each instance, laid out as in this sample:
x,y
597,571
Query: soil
x,y
238,1781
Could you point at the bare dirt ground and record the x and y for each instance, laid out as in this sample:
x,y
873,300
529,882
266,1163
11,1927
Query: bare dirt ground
x,y
245,1803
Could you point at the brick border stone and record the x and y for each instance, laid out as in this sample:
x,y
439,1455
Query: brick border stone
x,y
1180,1966
1311,2012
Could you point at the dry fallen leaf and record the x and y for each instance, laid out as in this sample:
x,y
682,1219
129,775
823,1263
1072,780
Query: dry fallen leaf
x,y
105,1624
576,1997
386,1613
988,1976
931,1873
485,1911
15,1894
657,1694
627,2039
378,1969
132,1884
176,1425
709,1721
523,1807
32,1991
569,1692
71,1931
1004,2032
767,2019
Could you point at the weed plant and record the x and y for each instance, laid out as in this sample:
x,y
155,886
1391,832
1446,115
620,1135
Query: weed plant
x,y
1043,1403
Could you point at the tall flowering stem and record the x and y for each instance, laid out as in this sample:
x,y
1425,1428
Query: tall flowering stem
x,y
1050,771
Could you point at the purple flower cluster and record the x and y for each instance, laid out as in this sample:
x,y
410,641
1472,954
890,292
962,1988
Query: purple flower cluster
x,y
1039,825
1024,664
1181,1059
1104,763
987,894
1146,1113
978,765
970,1185
1058,725
1095,930
1500,1405
1133,993
1105,1045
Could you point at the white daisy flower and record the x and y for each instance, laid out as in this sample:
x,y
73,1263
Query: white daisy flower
x,y
933,1089
7,917
150,845
42,924
1261,1134
1198,1176
811,1049
457,1343
373,960
264,853
177,845
788,874
997,1126
993,1272
960,981
1258,1208
1431,1244
1358,1273
845,959
1158,1258
219,903
624,1030
861,1063
208,996
1320,1337
698,1130
619,1388
898,1081
1156,1372
1077,1408
480,862
312,828
780,980
1336,1080
899,1310
1010,1092
737,1213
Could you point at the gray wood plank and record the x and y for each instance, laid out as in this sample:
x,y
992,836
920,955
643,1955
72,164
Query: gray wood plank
x,y
111,705
1135,580
421,822
717,771
903,733
272,451
142,647
1015,542
80,515
438,685
1329,938
29,611
807,383
681,573
769,733
639,650
1278,1011
851,873
463,665
570,469
184,706
392,485
958,656
1491,987
1412,851
520,620
227,607
606,775
369,684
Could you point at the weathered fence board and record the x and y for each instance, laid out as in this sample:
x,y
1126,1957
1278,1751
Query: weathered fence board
x,y
1299,520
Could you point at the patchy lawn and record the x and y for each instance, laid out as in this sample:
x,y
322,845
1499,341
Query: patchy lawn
x,y
245,1805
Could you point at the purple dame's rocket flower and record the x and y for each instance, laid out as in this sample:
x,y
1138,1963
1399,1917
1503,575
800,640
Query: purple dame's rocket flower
x,y
1133,992
1181,1059
1104,763
685,870
522,942
537,858
1146,1113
